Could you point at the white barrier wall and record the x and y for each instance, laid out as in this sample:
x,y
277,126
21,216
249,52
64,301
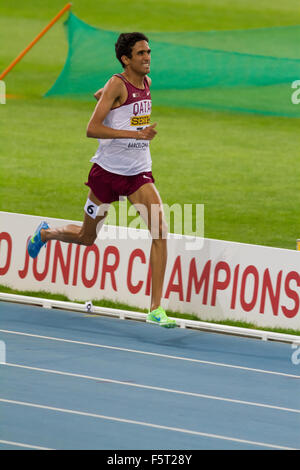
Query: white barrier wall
x,y
213,279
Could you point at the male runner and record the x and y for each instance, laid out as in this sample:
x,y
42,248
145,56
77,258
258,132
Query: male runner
x,y
122,164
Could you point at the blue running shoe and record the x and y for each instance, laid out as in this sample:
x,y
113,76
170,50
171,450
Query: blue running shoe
x,y
35,243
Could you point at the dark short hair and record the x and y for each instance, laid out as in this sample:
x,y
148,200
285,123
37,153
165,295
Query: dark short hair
x,y
125,43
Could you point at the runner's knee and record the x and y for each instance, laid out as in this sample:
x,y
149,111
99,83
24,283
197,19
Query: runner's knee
x,y
159,227
163,229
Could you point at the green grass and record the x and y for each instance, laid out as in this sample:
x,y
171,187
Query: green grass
x,y
118,305
247,178
243,168
168,15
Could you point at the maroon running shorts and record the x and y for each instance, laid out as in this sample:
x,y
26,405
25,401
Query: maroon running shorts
x,y
109,187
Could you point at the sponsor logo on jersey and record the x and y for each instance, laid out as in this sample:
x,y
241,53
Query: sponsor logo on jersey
x,y
140,120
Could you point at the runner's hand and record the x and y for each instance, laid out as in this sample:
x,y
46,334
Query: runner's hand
x,y
147,134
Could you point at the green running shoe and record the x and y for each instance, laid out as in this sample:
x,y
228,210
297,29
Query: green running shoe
x,y
159,317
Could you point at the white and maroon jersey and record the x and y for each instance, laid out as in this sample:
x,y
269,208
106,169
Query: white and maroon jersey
x,y
127,156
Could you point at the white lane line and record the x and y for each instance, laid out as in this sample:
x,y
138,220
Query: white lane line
x,y
151,387
136,351
143,423
21,444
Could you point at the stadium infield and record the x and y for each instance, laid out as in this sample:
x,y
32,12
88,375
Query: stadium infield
x,y
243,168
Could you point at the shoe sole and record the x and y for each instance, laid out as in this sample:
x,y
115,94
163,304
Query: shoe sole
x,y
164,325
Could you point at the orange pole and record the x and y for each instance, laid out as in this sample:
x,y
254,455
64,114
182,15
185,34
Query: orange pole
x,y
17,59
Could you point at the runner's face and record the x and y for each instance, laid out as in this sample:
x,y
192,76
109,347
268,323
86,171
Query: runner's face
x,y
140,58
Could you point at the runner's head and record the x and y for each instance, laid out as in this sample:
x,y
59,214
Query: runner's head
x,y
132,49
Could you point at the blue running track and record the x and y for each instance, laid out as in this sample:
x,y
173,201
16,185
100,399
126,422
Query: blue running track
x,y
76,381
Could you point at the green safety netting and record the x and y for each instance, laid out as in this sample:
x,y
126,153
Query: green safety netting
x,y
242,70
